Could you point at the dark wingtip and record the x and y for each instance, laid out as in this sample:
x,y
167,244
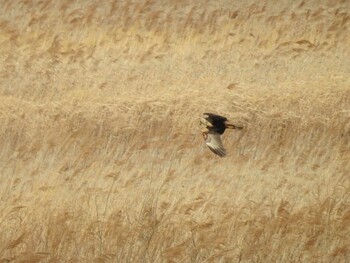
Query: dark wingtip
x,y
218,153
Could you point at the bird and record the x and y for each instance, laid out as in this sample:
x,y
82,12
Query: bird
x,y
213,126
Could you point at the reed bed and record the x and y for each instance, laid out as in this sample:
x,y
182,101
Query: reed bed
x,y
101,156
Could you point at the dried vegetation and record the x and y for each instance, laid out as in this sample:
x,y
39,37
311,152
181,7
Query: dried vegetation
x,y
101,158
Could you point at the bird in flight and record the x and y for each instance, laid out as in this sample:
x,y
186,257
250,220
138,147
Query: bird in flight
x,y
213,126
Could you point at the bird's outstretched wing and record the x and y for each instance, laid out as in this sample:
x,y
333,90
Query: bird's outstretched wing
x,y
214,143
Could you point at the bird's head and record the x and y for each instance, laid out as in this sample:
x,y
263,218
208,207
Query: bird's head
x,y
205,135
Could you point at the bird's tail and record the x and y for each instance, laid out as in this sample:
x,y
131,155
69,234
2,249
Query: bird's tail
x,y
233,126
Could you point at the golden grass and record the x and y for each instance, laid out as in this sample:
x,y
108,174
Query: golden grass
x,y
101,158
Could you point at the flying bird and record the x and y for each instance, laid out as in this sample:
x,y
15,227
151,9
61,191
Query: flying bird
x,y
213,126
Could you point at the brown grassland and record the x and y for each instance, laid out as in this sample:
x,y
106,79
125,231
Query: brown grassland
x,y
101,156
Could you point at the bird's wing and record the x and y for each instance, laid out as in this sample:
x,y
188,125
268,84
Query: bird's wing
x,y
214,143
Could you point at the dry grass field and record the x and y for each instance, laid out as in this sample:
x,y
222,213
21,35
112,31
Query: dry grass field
x,y
101,155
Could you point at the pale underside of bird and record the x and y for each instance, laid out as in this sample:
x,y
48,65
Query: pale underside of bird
x,y
213,126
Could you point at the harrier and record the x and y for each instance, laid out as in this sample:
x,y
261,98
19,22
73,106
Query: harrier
x,y
213,126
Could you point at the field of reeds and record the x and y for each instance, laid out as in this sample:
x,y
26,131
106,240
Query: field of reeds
x,y
101,154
